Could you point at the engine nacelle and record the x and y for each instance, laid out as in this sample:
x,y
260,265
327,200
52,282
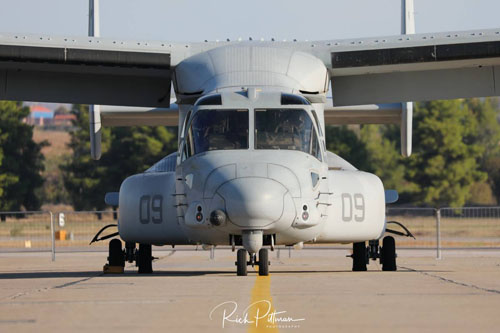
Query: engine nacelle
x,y
147,210
357,211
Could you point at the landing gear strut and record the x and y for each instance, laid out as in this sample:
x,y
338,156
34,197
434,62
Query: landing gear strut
x,y
242,263
129,252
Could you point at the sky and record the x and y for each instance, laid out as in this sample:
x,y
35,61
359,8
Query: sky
x,y
197,20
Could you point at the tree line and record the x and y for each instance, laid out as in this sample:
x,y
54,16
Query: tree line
x,y
455,160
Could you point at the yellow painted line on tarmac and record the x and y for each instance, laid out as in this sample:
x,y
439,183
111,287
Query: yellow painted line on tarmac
x,y
261,306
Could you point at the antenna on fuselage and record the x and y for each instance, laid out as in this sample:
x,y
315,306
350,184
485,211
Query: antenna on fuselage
x,y
407,28
94,110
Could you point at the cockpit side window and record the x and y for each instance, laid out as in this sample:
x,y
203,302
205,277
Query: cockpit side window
x,y
315,147
186,120
316,119
217,130
290,129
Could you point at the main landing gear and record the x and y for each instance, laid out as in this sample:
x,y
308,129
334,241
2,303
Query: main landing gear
x,y
117,256
361,254
242,263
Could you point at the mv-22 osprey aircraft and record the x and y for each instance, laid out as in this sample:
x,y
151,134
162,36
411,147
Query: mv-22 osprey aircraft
x,y
252,170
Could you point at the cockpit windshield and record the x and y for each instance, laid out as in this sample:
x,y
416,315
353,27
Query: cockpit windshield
x,y
217,130
290,129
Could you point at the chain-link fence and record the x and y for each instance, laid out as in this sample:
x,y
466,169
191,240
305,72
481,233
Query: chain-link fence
x,y
26,231
470,227
420,221
449,228
75,230
445,228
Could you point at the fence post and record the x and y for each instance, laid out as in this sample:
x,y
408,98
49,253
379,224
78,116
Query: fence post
x,y
438,233
52,236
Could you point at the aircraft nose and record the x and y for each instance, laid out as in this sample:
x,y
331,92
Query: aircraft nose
x,y
257,203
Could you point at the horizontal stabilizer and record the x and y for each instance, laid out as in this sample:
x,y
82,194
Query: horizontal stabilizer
x,y
363,114
395,113
137,116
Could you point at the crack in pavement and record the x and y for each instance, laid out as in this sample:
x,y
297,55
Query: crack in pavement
x,y
463,284
17,321
28,292
68,284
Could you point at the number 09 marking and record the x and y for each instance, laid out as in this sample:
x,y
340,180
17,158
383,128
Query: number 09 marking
x,y
151,209
353,207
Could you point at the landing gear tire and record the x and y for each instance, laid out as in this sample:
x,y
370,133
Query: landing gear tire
x,y
241,262
359,257
263,262
144,259
116,256
388,254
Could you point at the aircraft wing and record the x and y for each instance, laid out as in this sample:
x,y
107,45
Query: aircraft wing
x,y
411,67
86,70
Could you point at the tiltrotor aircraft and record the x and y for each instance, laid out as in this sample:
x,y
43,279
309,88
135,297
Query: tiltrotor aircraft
x,y
252,170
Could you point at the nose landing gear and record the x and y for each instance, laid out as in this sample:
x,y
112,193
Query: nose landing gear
x,y
242,263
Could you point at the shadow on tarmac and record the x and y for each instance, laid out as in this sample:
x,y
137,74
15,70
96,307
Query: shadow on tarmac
x,y
91,274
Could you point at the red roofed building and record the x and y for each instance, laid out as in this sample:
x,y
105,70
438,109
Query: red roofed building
x,y
39,115
63,120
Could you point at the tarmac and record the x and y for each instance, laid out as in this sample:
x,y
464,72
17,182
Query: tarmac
x,y
311,291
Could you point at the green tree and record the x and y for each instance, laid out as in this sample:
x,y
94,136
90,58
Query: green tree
x,y
21,160
83,177
486,112
372,149
125,151
455,143
385,160
488,134
444,163
345,142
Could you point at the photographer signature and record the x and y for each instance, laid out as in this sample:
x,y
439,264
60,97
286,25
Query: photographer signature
x,y
262,309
